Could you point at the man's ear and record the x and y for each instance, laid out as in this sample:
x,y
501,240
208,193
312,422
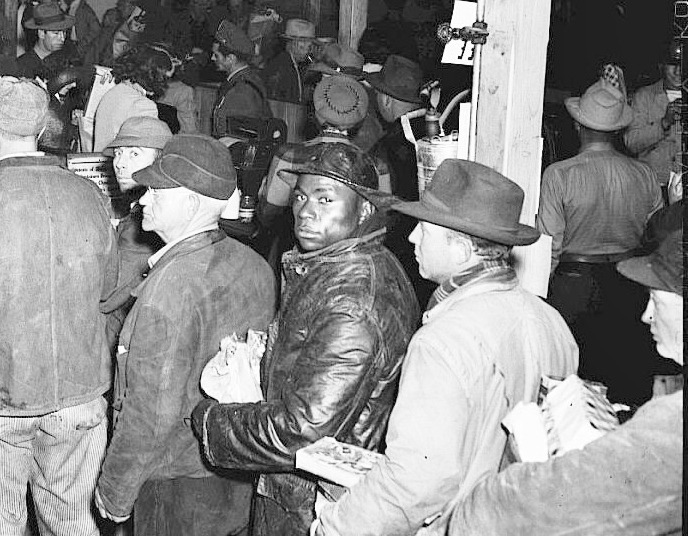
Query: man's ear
x,y
365,212
193,202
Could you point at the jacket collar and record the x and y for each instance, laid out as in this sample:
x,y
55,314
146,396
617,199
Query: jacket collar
x,y
32,159
335,252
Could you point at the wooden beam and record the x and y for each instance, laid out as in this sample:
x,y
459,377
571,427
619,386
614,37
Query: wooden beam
x,y
511,93
353,18
8,28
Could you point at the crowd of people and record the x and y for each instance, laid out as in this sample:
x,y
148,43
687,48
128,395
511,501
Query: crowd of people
x,y
393,322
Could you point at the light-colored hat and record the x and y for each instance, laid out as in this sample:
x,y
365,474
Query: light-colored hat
x,y
49,16
474,199
232,37
299,29
194,161
340,101
602,107
340,60
140,131
23,106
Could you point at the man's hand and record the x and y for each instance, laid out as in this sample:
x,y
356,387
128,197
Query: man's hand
x,y
97,499
672,114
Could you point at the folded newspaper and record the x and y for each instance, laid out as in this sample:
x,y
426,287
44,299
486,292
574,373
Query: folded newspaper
x,y
335,461
233,375
569,415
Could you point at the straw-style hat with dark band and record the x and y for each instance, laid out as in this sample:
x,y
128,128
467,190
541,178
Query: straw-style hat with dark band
x,y
340,60
400,78
345,163
299,29
50,17
194,161
474,199
602,107
662,269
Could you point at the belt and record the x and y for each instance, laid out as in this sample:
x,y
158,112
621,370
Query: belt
x,y
598,258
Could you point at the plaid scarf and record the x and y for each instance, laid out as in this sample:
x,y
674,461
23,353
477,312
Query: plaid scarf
x,y
496,271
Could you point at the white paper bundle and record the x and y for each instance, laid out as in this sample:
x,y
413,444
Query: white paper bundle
x,y
233,375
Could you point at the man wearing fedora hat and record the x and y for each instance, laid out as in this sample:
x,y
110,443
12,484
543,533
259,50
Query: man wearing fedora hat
x,y
283,74
52,25
484,344
243,92
628,481
655,133
202,286
58,259
138,144
335,349
595,206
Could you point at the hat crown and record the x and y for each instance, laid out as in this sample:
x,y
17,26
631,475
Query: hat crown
x,y
23,106
343,56
343,162
602,107
144,131
49,16
234,38
340,101
299,29
477,193
400,78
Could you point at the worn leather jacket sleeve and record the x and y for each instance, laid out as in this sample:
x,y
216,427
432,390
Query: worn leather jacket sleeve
x,y
150,409
324,394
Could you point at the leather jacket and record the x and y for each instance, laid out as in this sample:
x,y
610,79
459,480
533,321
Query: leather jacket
x,y
331,368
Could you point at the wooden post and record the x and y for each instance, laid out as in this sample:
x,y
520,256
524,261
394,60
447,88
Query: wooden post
x,y
353,18
511,94
8,28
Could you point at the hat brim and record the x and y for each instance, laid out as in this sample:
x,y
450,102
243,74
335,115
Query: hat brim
x,y
149,142
298,37
326,69
381,200
64,24
520,235
642,270
573,107
375,80
153,177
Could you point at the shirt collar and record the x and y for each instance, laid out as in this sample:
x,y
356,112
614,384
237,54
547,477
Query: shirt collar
x,y
153,259
27,153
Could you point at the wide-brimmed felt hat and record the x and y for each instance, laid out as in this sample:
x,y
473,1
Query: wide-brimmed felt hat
x,y
49,16
672,53
141,131
602,107
474,199
400,78
662,269
340,101
299,29
194,161
343,162
340,60
234,38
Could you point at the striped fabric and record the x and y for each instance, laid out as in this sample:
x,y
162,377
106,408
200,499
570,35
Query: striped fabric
x,y
59,455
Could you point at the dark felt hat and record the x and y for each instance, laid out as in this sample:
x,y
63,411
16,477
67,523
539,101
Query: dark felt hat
x,y
672,53
343,162
49,16
474,199
194,161
662,269
234,38
340,60
400,78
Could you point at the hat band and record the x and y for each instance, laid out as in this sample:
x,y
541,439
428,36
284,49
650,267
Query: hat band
x,y
60,17
340,69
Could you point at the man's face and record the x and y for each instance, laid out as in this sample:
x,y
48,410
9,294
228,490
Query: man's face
x,y
220,60
129,160
51,40
164,212
672,76
325,212
299,48
438,257
664,315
